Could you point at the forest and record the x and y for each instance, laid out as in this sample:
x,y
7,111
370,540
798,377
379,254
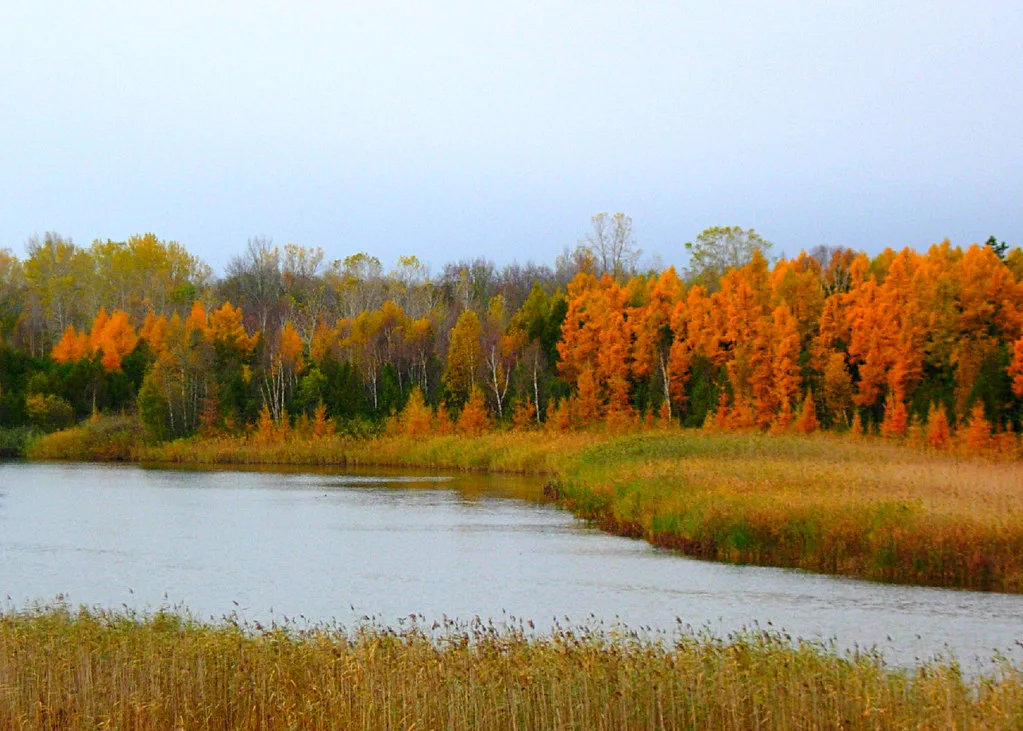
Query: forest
x,y
740,339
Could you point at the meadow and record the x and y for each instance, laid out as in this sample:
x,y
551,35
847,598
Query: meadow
x,y
864,507
78,669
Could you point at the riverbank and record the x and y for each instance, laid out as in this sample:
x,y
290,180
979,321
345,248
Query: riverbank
x,y
89,669
864,507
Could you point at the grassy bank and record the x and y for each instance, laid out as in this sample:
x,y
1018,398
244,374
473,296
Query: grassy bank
x,y
77,670
863,508
859,507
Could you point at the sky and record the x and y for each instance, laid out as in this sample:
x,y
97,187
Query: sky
x,y
496,129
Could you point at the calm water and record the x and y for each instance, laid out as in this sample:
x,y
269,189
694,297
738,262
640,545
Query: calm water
x,y
340,547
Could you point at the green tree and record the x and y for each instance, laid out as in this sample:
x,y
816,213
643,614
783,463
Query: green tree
x,y
1000,248
718,249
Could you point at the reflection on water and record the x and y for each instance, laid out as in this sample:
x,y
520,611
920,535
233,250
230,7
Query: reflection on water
x,y
326,546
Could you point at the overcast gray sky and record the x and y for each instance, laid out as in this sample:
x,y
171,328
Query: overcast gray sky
x,y
451,129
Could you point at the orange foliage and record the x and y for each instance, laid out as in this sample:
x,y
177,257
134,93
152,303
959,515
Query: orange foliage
x,y
197,320
807,421
586,403
73,347
856,428
524,414
896,418
116,339
154,332
265,431
416,417
787,380
1016,368
474,418
976,437
323,343
442,420
113,335
560,415
322,425
939,433
290,347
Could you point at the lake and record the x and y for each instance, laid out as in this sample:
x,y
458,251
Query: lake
x,y
323,547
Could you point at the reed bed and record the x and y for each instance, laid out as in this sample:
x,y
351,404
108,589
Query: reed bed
x,y
863,508
64,669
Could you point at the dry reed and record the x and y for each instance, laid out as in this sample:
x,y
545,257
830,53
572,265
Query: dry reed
x,y
61,669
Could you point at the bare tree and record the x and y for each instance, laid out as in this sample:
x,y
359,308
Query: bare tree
x,y
613,244
835,271
254,279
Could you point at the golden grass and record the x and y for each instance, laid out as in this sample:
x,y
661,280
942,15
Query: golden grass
x,y
864,508
89,670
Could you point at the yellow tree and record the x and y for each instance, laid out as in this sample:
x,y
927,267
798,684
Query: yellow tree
x,y
58,275
285,364
420,342
463,356
416,417
178,383
227,330
500,349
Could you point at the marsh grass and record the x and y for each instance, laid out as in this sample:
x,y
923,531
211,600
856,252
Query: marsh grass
x,y
64,669
864,508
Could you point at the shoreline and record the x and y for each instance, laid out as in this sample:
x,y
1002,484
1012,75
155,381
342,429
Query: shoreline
x,y
906,516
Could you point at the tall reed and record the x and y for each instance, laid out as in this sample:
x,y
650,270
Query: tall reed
x,y
61,669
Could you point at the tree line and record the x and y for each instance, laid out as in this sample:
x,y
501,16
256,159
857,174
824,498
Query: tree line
x,y
831,338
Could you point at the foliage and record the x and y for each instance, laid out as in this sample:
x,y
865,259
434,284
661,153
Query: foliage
x,y
721,248
14,440
142,325
109,438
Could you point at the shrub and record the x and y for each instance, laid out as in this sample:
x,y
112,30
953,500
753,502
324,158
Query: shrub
x,y
108,438
49,412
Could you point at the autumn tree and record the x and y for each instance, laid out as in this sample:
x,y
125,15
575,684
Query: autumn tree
x,y
474,419
500,350
807,421
57,275
281,377
939,433
785,364
463,356
416,417
1016,368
